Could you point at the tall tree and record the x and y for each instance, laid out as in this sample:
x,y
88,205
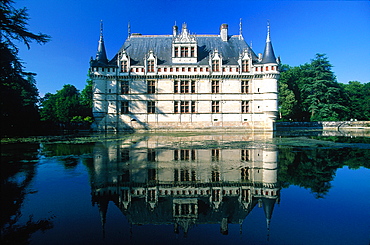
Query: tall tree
x,y
325,99
19,95
310,92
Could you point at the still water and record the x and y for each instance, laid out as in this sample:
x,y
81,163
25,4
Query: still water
x,y
234,188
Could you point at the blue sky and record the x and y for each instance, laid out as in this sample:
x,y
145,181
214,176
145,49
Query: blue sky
x,y
299,30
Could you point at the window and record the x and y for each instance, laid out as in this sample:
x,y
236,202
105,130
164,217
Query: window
x,y
151,196
125,87
176,52
176,107
124,66
215,195
151,174
215,65
184,87
182,51
176,87
186,52
245,66
215,155
192,106
151,107
192,52
215,106
245,195
215,86
244,174
244,87
184,106
245,106
151,155
244,155
215,176
151,87
150,66
124,107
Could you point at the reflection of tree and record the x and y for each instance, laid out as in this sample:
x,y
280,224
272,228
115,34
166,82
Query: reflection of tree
x,y
315,168
16,176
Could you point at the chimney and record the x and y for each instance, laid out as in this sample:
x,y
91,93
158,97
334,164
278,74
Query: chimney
x,y
175,30
223,32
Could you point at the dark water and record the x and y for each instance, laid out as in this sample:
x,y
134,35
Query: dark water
x,y
187,189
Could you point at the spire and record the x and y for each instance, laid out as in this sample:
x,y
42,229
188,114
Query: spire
x,y
268,208
268,54
101,55
240,29
129,29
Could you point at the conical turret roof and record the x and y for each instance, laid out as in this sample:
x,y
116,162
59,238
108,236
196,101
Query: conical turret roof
x,y
268,54
101,55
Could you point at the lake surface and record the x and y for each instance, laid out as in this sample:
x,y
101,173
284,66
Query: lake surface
x,y
216,188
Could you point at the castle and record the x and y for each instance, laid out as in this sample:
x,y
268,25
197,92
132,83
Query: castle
x,y
185,81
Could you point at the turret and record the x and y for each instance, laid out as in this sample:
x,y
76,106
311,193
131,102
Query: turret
x,y
101,55
268,54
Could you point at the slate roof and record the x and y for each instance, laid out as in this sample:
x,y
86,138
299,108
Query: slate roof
x,y
268,54
137,47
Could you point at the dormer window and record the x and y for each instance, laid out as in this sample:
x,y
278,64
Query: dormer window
x,y
215,65
245,65
150,66
184,47
215,61
151,62
124,66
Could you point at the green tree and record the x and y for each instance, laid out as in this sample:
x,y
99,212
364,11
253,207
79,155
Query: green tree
x,y
310,92
19,95
358,100
324,99
288,93
67,108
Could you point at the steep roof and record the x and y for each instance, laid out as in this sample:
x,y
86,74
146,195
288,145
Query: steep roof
x,y
268,54
138,46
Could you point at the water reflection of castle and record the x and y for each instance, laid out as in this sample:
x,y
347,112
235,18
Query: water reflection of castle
x,y
153,183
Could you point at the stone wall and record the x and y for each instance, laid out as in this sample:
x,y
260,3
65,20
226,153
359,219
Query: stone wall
x,y
322,125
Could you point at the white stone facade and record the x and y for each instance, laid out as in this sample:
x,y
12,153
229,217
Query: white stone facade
x,y
184,81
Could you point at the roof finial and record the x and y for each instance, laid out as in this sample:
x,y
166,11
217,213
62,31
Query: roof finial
x,y
240,28
268,31
101,30
129,29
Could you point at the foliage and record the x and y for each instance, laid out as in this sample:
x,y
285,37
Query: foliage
x,y
68,108
314,168
310,92
19,95
358,100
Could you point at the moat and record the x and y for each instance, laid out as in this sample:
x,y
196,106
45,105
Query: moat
x,y
187,188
